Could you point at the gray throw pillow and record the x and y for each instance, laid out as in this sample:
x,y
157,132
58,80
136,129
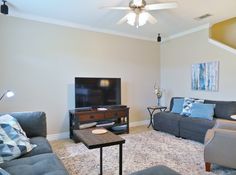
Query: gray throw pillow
x,y
3,172
13,140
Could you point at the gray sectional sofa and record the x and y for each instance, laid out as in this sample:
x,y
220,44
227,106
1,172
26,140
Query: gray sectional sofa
x,y
192,128
41,160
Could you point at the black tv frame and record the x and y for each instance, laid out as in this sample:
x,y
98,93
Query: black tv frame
x,y
99,106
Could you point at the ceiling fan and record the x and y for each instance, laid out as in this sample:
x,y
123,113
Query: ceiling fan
x,y
138,15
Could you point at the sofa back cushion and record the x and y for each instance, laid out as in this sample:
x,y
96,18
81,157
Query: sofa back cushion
x,y
223,109
33,123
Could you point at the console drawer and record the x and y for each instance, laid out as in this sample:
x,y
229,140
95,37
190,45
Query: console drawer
x,y
90,117
109,114
122,113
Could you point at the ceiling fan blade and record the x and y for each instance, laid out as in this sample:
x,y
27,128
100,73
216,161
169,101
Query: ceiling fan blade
x,y
116,8
161,6
123,20
151,19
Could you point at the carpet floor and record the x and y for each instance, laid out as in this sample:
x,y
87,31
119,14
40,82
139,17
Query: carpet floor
x,y
139,151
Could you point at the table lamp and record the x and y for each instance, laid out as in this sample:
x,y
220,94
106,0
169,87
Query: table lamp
x,y
8,94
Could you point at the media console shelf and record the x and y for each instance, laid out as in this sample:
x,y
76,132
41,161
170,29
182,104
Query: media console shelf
x,y
119,115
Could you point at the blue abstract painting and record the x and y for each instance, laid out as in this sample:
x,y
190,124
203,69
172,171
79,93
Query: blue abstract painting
x,y
205,76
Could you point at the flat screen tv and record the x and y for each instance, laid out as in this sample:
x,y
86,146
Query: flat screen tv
x,y
97,92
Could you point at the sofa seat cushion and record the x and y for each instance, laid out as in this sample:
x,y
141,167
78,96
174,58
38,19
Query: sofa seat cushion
x,y
43,146
167,122
44,164
195,128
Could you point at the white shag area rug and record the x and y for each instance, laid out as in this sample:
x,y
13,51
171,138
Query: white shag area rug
x,y
140,151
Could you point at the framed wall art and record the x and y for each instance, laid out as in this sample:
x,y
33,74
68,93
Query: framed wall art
x,y
205,76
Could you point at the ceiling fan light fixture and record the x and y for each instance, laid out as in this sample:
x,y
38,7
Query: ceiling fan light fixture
x,y
143,17
131,17
139,12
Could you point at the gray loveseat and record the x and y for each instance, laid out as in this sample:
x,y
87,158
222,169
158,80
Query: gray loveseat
x,y
192,128
41,160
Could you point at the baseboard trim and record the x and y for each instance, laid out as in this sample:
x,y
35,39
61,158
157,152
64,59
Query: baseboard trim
x,y
139,123
59,136
65,135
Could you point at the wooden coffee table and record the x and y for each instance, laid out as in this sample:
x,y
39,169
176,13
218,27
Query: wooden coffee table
x,y
92,141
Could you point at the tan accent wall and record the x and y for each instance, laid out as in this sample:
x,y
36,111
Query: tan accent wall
x,y
177,57
225,32
39,62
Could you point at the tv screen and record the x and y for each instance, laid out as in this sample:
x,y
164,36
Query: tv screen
x,y
95,92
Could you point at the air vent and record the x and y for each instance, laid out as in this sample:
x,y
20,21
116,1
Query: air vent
x,y
203,17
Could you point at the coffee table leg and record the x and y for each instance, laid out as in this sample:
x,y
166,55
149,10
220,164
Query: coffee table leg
x,y
120,161
101,161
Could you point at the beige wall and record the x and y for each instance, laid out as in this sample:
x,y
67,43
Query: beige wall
x,y
225,32
177,57
39,62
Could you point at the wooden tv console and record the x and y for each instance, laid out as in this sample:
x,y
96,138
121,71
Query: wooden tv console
x,y
78,116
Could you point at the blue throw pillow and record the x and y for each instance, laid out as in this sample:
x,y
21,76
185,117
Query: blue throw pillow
x,y
202,110
177,105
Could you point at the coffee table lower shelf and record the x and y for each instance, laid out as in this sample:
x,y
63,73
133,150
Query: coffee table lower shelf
x,y
93,141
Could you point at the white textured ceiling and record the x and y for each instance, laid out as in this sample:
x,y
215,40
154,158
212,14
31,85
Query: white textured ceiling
x,y
87,13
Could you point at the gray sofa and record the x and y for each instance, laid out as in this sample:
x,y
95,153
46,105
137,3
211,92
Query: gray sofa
x,y
41,160
192,128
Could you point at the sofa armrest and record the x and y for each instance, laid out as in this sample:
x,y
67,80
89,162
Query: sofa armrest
x,y
33,123
209,136
225,124
220,135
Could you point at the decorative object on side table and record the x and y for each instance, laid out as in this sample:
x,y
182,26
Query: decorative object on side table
x,y
158,93
152,109
8,94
